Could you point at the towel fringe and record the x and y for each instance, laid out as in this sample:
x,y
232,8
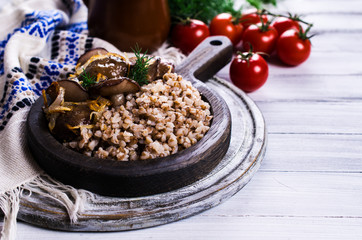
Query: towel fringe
x,y
9,204
170,53
71,198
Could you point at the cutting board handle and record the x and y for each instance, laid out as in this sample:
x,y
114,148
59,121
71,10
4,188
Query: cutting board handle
x,y
207,58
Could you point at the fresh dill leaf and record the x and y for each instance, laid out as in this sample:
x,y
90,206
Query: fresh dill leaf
x,y
260,4
140,70
87,79
203,10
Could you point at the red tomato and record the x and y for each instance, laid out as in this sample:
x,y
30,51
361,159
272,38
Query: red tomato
x,y
249,71
283,24
252,17
261,37
224,24
187,36
293,47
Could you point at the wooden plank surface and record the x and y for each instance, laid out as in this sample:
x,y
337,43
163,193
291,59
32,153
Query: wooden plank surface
x,y
313,117
327,88
308,7
226,227
310,183
274,205
313,153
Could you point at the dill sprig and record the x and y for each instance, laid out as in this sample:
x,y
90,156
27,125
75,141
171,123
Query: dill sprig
x,y
260,4
87,80
205,10
140,70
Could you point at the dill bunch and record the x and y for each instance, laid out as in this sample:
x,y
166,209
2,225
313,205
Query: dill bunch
x,y
205,10
140,70
259,4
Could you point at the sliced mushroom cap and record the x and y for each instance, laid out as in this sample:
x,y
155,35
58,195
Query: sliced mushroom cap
x,y
74,92
107,67
80,115
53,91
163,68
116,86
87,55
152,68
157,67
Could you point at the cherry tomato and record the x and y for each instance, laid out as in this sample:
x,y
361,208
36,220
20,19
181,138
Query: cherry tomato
x,y
188,35
283,24
224,24
293,47
252,17
249,71
262,38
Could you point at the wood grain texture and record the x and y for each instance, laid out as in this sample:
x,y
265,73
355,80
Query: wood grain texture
x,y
308,89
133,178
318,65
313,88
335,44
340,153
342,22
313,117
224,227
243,158
274,205
309,184
309,7
297,194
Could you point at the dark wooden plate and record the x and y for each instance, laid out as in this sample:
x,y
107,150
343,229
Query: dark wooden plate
x,y
101,213
142,178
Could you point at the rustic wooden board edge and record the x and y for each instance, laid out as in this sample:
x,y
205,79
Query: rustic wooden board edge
x,y
119,214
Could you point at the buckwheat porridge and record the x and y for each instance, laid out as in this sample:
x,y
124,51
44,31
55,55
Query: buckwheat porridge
x,y
119,116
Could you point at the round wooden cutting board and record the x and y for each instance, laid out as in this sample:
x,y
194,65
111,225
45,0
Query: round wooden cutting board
x,y
242,159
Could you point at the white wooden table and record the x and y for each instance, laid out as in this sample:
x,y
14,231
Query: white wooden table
x,y
310,183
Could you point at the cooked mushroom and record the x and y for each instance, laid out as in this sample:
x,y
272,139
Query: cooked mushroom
x,y
57,106
64,116
152,69
74,92
118,99
87,55
105,67
67,123
163,68
115,86
67,119
157,68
